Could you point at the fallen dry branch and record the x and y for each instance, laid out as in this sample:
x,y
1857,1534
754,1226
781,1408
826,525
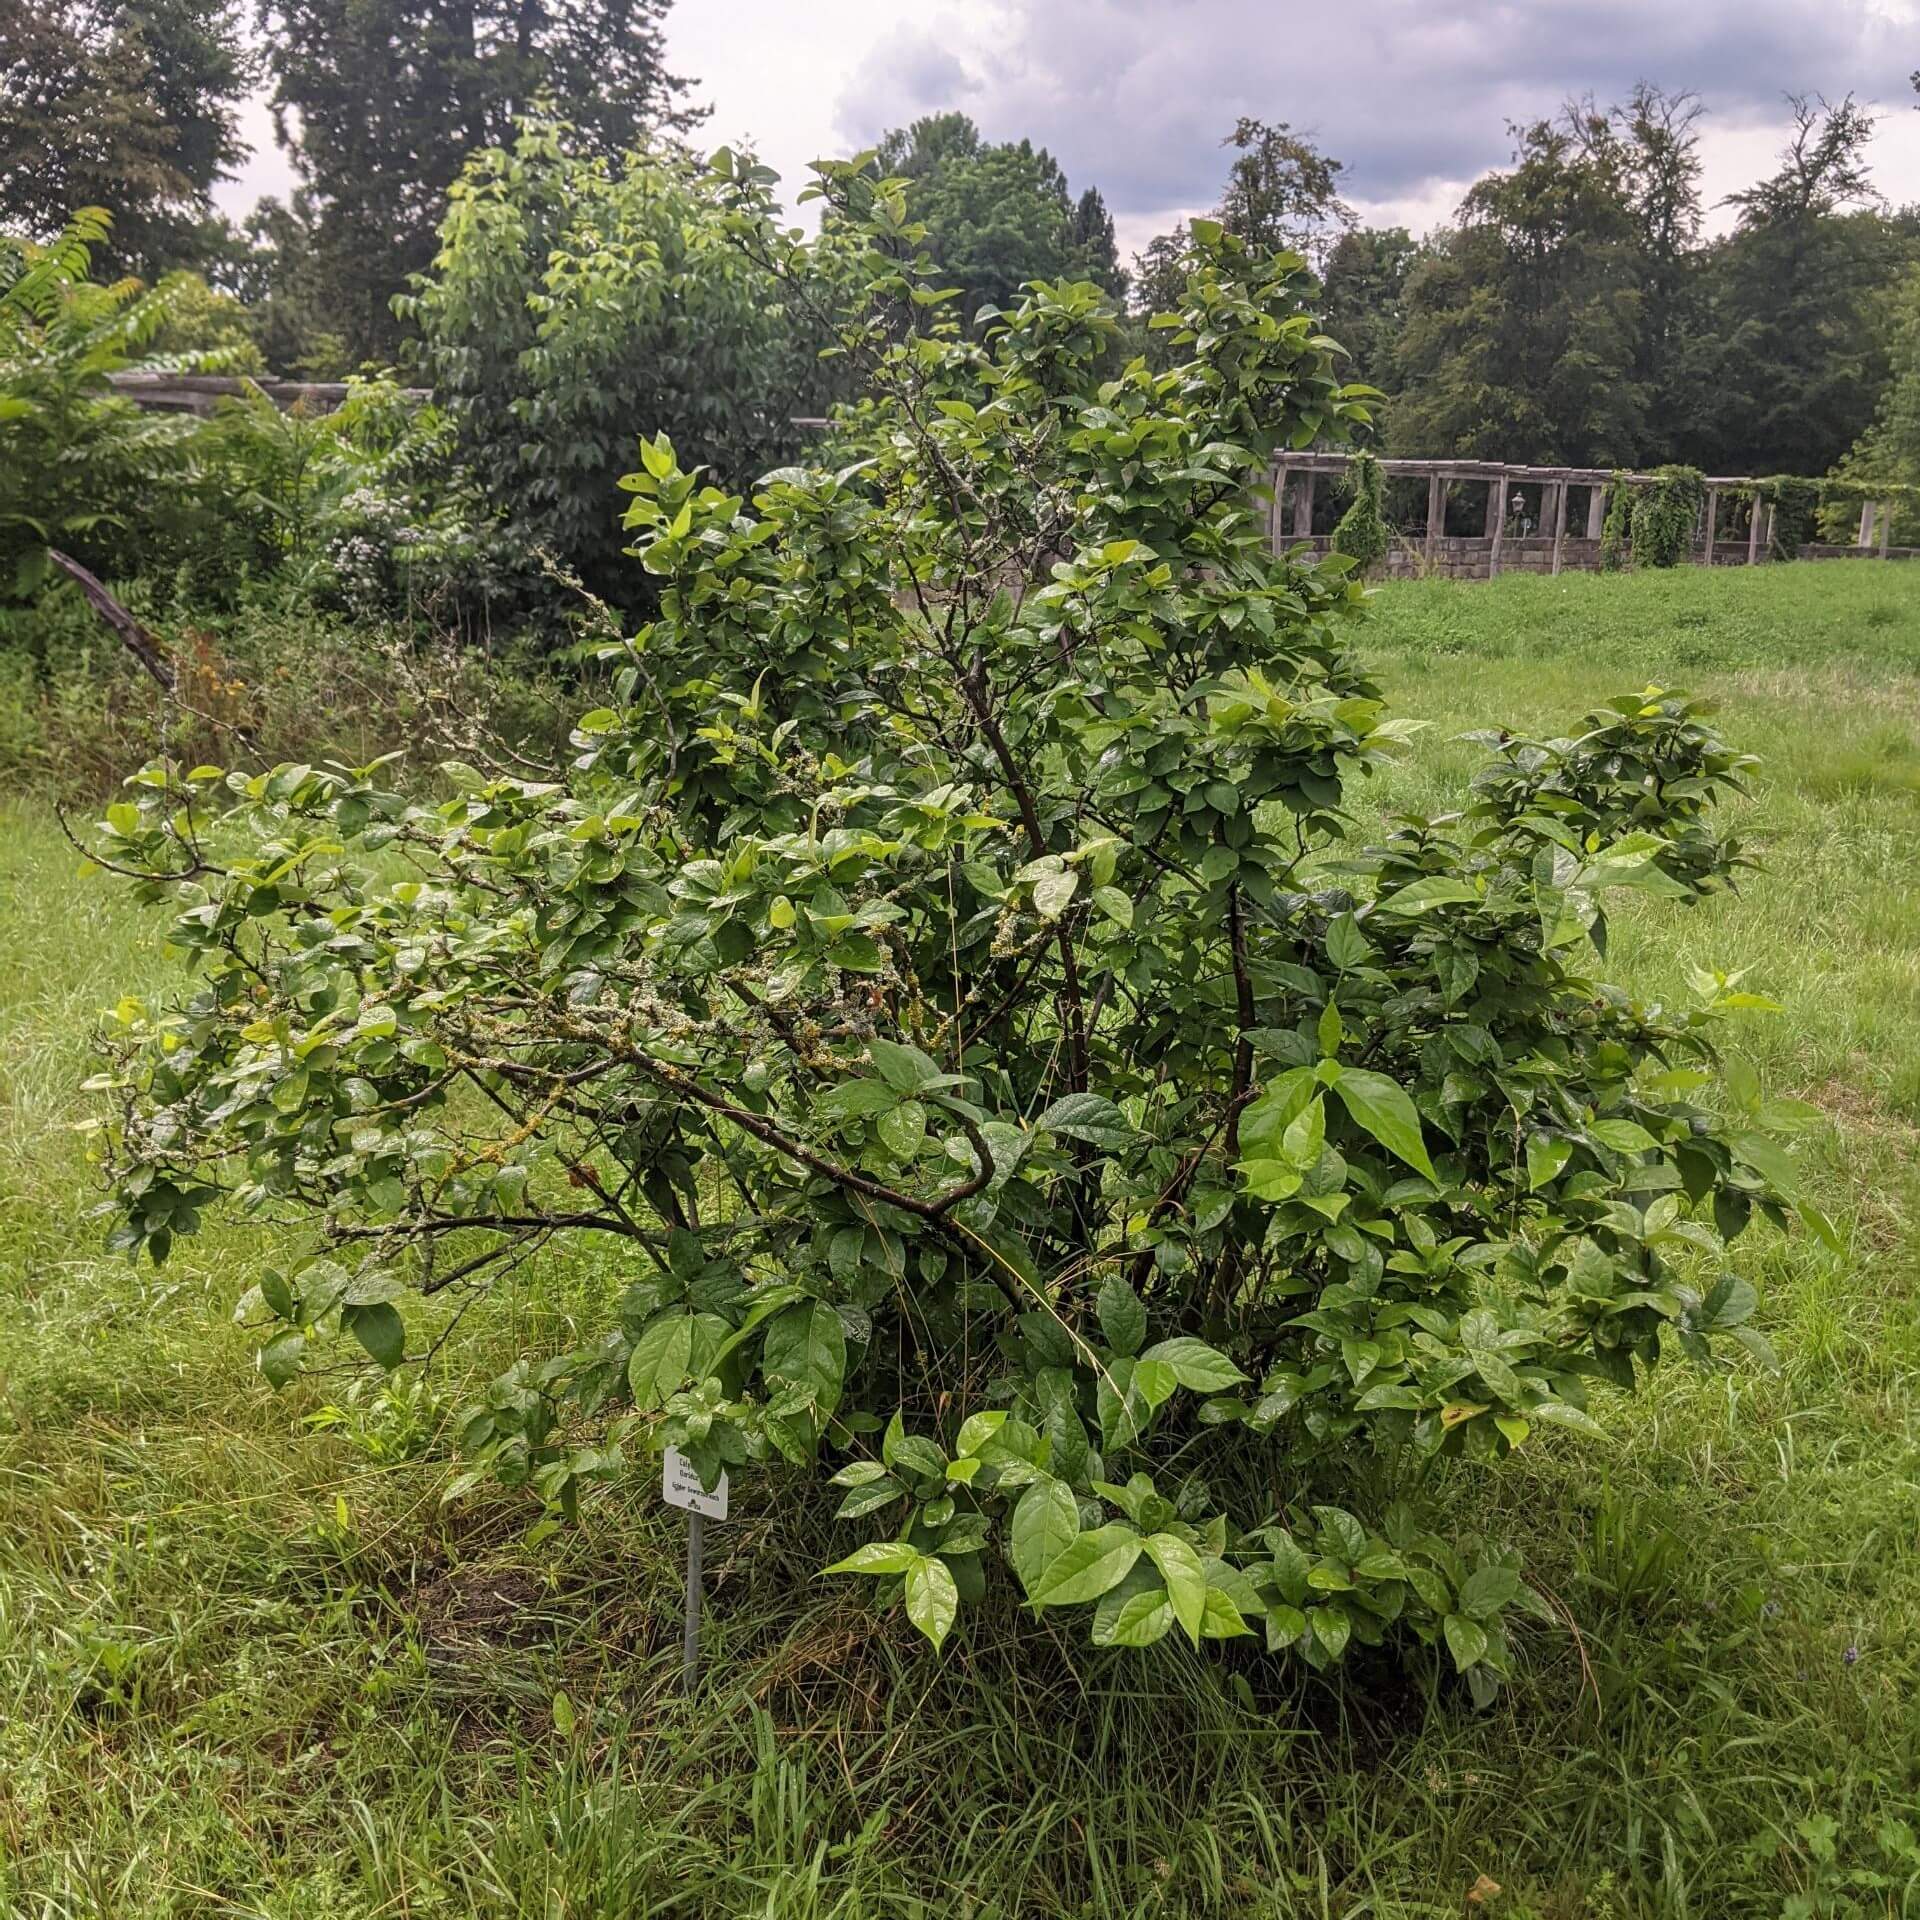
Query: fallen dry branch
x,y
137,640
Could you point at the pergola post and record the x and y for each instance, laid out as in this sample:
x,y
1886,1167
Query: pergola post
x,y
1753,531
1303,505
1559,521
1713,517
1496,521
1596,512
1886,529
1277,508
1436,513
1866,524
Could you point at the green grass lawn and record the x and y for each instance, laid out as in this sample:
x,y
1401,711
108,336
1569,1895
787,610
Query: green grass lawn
x,y
250,1665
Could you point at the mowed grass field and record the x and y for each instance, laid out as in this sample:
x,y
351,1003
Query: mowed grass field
x,y
251,1665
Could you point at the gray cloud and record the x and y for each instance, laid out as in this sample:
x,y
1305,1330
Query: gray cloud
x,y
920,74
1136,94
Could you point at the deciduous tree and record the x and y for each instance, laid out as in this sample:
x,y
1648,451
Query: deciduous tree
x,y
1523,321
578,303
381,102
1798,356
1366,276
1282,192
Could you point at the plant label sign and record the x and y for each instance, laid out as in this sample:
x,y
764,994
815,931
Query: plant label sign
x,y
681,1486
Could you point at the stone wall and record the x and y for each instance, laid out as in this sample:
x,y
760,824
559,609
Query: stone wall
x,y
1467,557
1820,550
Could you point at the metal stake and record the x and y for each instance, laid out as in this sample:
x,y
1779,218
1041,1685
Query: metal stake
x,y
690,1647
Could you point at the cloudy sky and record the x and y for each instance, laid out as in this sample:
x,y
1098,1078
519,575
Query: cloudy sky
x,y
1134,95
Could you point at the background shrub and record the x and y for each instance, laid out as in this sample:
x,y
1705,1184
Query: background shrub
x,y
577,303
1664,516
1362,533
80,467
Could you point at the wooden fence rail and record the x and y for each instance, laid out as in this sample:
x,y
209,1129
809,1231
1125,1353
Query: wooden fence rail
x,y
202,392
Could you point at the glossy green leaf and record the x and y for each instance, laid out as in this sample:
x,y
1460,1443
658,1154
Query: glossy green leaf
x,y
1046,1521
932,1598
1466,1640
879,1557
1197,1366
1386,1111
1133,1619
807,1345
661,1360
1087,1567
1123,1320
1185,1577
379,1329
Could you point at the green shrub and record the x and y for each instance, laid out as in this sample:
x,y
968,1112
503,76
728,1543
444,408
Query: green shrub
x,y
1664,516
1362,532
80,467
363,505
941,972
1613,531
363,509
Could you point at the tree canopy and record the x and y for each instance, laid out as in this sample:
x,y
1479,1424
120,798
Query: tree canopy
x,y
1522,322
1574,311
1576,308
1282,192
1281,195
126,105
1798,355
1889,450
999,214
576,301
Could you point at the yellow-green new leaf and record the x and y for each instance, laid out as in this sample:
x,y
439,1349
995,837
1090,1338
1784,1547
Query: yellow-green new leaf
x,y
878,1557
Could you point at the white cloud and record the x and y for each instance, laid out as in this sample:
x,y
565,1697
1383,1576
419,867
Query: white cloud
x,y
265,172
1134,95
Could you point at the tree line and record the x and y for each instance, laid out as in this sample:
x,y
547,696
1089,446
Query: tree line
x,y
1574,310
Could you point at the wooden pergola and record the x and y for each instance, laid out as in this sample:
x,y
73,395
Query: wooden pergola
x,y
1297,474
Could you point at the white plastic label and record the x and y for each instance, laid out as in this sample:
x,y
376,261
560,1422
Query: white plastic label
x,y
681,1486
